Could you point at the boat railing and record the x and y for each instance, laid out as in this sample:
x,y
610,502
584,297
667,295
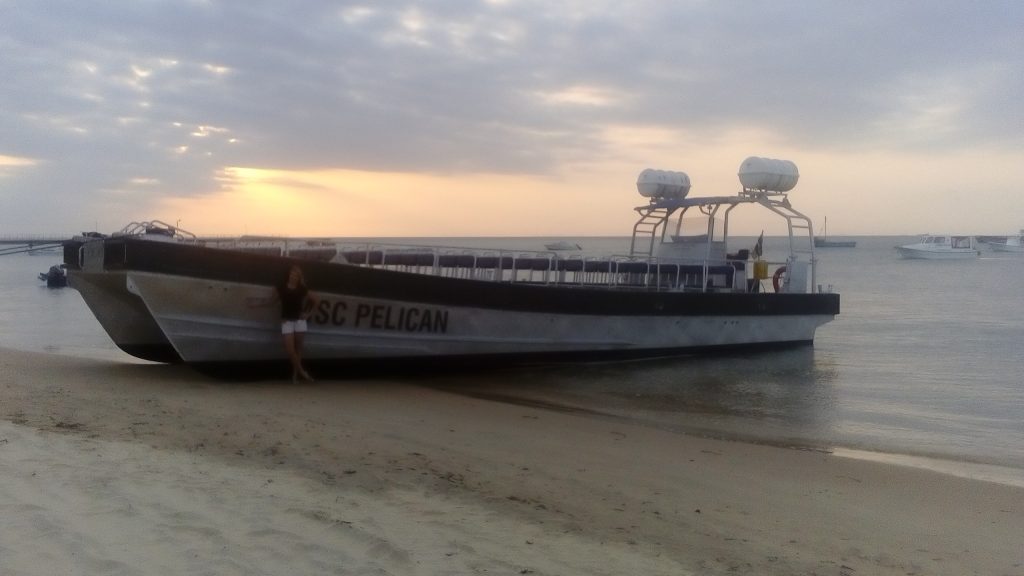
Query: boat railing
x,y
544,268
644,272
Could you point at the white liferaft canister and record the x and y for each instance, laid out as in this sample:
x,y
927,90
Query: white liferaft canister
x,y
663,184
768,174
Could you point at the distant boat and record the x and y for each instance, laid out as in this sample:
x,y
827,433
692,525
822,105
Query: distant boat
x,y
562,245
1007,244
1011,244
823,241
941,248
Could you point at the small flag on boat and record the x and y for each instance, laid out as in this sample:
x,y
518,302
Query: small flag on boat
x,y
758,248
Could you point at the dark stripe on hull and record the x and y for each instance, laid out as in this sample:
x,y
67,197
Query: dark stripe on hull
x,y
432,365
233,266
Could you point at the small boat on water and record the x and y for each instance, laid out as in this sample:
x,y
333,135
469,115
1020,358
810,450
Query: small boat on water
x,y
941,247
1011,244
824,242
563,245
55,277
162,294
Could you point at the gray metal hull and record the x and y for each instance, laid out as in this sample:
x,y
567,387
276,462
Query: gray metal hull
x,y
123,315
211,321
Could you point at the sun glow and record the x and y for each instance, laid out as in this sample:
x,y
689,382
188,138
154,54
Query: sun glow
x,y
581,96
362,203
9,164
595,198
15,161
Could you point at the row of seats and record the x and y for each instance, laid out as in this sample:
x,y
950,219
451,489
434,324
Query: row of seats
x,y
378,258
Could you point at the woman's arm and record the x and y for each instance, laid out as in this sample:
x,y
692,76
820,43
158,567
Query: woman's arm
x,y
312,300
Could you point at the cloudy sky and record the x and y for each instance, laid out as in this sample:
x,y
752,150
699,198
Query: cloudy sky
x,y
503,117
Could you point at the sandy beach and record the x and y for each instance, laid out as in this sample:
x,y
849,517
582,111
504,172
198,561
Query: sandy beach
x,y
117,468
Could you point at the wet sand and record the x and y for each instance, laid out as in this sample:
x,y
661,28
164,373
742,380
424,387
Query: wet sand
x,y
146,469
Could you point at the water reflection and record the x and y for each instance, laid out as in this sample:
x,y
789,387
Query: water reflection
x,y
783,396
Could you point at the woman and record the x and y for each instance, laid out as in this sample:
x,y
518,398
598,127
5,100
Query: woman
x,y
297,302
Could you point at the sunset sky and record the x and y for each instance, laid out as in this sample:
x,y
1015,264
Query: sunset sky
x,y
503,117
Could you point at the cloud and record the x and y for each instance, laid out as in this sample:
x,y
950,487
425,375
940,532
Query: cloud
x,y
153,98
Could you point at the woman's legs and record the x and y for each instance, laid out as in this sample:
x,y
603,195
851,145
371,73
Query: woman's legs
x,y
293,355
294,335
299,338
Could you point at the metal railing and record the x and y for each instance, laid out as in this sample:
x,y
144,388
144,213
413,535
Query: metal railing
x,y
637,272
518,266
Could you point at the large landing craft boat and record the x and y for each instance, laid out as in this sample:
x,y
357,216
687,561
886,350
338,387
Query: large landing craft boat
x,y
165,295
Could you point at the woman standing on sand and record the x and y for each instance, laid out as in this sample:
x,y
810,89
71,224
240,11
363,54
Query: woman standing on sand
x,y
297,302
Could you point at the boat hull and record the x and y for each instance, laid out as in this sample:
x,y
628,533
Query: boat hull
x,y
823,243
209,321
205,303
123,315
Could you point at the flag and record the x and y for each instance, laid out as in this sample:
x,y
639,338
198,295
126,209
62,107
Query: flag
x,y
758,248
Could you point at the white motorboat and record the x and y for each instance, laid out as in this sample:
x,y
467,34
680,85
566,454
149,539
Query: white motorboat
x,y
941,247
171,297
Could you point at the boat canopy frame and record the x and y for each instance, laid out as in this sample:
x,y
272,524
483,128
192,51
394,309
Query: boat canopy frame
x,y
653,224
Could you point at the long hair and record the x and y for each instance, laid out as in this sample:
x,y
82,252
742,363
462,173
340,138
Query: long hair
x,y
302,277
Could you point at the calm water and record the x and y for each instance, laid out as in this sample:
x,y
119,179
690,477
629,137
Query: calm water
x,y
924,360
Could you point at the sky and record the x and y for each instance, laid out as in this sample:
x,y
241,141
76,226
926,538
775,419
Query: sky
x,y
504,117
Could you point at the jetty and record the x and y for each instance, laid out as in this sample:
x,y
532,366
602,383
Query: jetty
x,y
29,243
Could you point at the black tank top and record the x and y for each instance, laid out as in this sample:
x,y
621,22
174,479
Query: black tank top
x,y
292,300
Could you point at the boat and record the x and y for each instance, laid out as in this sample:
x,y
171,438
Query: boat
x,y
55,277
563,245
824,242
941,247
1010,244
985,240
103,287
169,296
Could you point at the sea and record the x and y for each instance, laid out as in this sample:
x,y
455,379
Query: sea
x,y
923,365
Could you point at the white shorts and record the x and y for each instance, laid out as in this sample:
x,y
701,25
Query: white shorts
x,y
293,326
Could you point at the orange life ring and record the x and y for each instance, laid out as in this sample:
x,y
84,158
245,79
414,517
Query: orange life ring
x,y
777,277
